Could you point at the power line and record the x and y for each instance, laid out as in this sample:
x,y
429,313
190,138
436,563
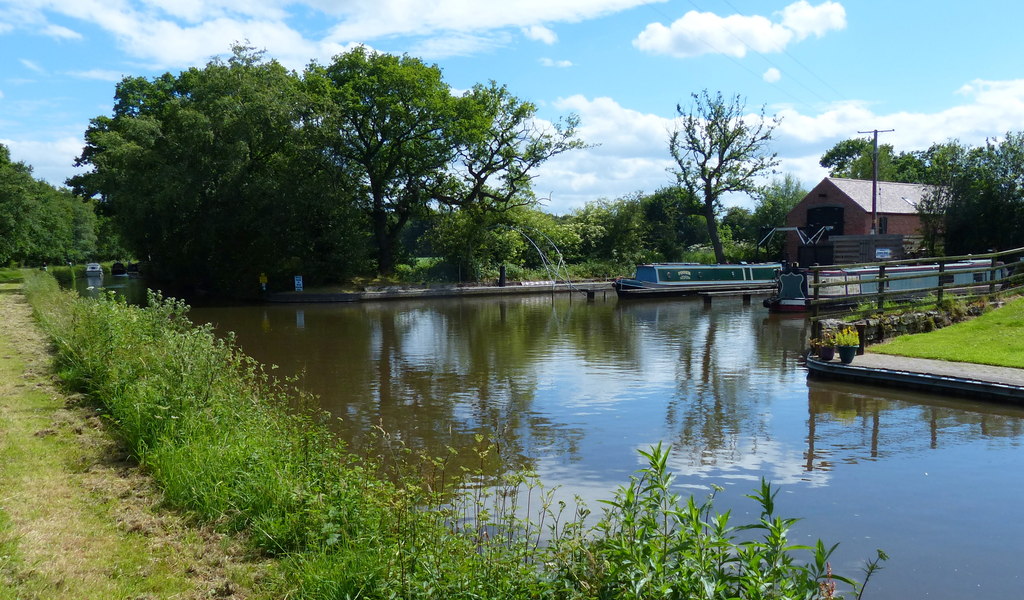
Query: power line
x,y
796,60
799,100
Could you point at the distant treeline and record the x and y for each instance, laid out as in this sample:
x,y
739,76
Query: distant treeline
x,y
242,167
41,224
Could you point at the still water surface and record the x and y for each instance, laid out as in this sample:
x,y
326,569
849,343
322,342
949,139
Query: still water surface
x,y
572,390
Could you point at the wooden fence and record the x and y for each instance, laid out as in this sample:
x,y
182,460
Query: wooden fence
x,y
870,288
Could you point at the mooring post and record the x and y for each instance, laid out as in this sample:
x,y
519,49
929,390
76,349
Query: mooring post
x,y
880,284
817,294
938,294
992,275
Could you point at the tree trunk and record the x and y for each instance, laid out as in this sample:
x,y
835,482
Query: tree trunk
x,y
716,244
385,246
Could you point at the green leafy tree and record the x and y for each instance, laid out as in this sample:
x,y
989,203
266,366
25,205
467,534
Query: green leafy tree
x,y
499,147
211,177
389,125
668,214
611,230
38,222
854,159
740,222
720,150
979,203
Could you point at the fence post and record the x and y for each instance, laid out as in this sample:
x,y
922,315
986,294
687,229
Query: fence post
x,y
881,287
992,277
942,269
817,293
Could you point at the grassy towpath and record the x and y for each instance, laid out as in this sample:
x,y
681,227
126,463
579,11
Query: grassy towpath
x,y
994,338
77,518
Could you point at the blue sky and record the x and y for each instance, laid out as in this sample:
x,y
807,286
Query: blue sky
x,y
931,71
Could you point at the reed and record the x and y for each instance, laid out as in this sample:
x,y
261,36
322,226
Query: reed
x,y
231,445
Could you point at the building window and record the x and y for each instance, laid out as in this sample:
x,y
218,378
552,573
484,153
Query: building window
x,y
883,224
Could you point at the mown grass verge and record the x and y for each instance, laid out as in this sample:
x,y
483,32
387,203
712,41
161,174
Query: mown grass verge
x,y
76,520
993,338
231,446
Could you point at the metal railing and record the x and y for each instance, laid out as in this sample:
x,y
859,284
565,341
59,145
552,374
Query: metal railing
x,y
991,278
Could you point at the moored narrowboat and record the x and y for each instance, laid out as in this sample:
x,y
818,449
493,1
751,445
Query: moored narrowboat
x,y
686,279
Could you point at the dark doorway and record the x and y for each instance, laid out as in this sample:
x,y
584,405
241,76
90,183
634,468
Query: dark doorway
x,y
825,216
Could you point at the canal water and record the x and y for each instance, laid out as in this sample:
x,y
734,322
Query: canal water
x,y
572,390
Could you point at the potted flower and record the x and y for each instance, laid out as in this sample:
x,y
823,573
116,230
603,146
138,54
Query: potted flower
x,y
824,347
848,342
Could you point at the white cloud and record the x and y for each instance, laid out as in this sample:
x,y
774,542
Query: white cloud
x,y
167,34
630,154
99,75
697,33
561,64
56,31
772,75
31,65
50,160
457,44
540,33
366,19
177,33
804,19
195,11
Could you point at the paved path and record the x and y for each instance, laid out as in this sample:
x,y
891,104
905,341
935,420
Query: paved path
x,y
944,368
937,376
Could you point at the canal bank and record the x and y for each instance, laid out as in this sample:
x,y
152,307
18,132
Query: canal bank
x,y
399,292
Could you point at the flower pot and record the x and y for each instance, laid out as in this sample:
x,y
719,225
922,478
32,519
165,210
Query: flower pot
x,y
826,352
846,354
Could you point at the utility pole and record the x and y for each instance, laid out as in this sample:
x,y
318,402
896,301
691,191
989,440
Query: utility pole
x,y
874,180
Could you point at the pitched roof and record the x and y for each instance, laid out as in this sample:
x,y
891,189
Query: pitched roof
x,y
898,198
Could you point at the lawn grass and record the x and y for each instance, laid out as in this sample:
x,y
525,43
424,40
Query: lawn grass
x,y
994,338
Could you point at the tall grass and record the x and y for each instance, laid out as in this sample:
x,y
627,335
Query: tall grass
x,y
232,446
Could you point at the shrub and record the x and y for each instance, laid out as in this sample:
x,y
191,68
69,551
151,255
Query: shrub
x,y
847,336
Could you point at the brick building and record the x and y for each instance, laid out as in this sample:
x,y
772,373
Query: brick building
x,y
845,205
